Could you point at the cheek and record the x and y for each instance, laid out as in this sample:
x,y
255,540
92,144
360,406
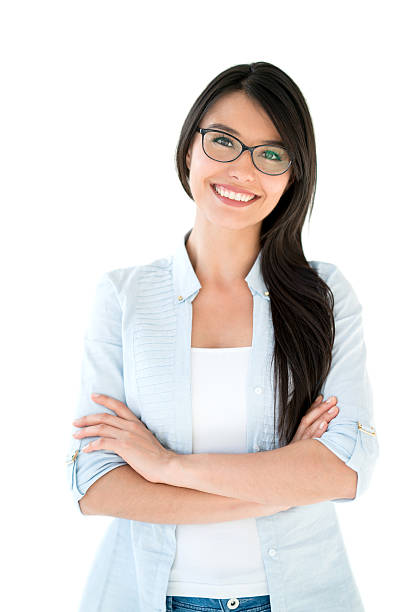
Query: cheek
x,y
273,191
201,163
202,172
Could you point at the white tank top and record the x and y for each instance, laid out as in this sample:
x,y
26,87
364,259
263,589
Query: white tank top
x,y
218,560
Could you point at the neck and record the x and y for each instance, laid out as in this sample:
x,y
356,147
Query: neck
x,y
222,257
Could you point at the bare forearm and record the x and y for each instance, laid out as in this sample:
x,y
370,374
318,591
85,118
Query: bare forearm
x,y
124,493
302,473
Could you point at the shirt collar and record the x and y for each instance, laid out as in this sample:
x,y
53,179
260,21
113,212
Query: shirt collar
x,y
186,282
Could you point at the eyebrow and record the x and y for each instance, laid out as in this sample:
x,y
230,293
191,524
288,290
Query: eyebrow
x,y
226,128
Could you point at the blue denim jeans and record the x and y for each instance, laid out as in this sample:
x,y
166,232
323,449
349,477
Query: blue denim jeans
x,y
198,604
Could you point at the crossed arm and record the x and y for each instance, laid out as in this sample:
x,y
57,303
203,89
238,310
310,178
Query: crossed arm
x,y
181,495
305,472
124,493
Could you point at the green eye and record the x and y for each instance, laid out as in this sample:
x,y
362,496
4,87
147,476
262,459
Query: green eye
x,y
272,155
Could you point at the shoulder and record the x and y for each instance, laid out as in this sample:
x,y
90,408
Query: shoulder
x,y
331,274
324,269
345,297
137,279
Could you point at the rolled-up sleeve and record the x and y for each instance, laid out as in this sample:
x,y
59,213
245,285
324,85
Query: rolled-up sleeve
x,y
101,372
352,434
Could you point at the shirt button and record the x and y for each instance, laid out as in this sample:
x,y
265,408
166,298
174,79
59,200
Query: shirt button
x,y
258,390
272,552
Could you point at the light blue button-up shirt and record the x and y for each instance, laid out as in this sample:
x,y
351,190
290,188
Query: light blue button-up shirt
x,y
137,349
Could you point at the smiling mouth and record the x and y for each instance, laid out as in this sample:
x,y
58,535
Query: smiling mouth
x,y
232,200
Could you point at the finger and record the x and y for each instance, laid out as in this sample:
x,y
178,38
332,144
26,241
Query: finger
x,y
318,429
320,425
318,402
105,444
114,404
108,419
315,411
102,430
315,403
326,413
312,415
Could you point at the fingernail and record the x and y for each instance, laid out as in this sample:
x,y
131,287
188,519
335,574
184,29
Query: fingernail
x,y
321,425
96,394
331,410
330,399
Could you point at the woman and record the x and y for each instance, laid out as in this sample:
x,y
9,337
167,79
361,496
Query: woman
x,y
226,472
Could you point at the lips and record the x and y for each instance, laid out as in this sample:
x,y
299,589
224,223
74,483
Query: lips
x,y
234,189
231,202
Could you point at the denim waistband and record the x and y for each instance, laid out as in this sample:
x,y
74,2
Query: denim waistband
x,y
260,603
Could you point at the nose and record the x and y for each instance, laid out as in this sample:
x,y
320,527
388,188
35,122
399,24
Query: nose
x,y
243,167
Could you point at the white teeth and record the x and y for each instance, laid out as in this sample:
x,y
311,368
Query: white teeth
x,y
240,197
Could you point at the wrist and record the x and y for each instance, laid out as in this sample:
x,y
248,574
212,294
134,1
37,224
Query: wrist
x,y
170,468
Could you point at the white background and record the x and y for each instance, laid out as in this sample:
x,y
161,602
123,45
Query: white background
x,y
83,86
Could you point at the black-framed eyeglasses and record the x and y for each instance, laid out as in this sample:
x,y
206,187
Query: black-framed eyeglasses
x,y
220,146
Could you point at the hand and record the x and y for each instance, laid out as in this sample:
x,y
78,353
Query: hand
x,y
126,436
317,414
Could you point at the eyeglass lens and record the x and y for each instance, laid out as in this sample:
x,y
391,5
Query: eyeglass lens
x,y
271,159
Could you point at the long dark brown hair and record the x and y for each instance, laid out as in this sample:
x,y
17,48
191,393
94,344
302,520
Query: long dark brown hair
x,y
301,302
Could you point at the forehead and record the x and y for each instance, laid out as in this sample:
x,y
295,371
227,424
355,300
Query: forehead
x,y
244,115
